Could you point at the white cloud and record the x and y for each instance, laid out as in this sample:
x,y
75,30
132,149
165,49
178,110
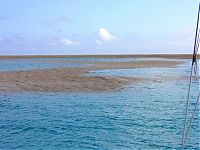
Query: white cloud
x,y
106,36
68,42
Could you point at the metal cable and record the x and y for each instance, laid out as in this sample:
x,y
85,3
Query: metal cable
x,y
190,123
194,65
186,109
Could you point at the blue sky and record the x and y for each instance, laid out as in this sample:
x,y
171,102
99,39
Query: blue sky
x,y
97,26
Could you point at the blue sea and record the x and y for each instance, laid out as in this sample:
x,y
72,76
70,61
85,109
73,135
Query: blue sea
x,y
146,116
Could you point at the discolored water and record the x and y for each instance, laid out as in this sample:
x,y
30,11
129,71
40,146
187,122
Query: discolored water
x,y
182,69
142,116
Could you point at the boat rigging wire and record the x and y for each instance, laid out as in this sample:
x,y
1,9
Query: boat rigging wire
x,y
194,67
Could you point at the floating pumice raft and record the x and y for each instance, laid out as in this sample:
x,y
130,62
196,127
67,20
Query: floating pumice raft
x,y
76,79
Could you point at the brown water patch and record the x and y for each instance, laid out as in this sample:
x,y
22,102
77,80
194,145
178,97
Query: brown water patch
x,y
75,79
59,80
174,56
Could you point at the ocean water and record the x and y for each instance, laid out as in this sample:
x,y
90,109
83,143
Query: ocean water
x,y
32,64
139,116
48,63
182,69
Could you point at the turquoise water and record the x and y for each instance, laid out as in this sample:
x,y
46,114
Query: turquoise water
x,y
31,64
140,116
182,69
46,63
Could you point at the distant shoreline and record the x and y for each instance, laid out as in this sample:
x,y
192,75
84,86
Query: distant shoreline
x,y
173,56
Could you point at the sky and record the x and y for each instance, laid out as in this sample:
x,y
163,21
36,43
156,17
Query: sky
x,y
73,27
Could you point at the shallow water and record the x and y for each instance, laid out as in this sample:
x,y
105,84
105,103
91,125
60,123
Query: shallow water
x,y
32,64
46,63
182,69
141,116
